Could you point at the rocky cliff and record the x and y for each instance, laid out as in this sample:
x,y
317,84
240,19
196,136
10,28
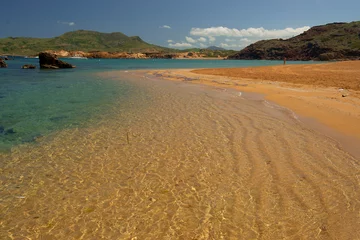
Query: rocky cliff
x,y
335,41
145,55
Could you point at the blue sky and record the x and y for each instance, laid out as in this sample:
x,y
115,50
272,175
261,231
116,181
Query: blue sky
x,y
228,23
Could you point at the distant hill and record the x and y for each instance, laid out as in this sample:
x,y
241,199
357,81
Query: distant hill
x,y
215,48
211,53
325,42
80,40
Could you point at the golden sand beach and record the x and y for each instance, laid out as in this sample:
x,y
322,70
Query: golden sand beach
x,y
191,161
329,93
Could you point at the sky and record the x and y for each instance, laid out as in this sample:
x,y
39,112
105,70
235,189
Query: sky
x,y
229,24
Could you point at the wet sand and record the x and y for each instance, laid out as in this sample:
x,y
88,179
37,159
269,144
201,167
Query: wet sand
x,y
182,161
328,93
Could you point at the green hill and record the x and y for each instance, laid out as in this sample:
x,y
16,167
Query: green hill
x,y
81,40
325,42
216,48
211,53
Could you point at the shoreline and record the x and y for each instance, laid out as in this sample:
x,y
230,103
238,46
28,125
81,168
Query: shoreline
x,y
332,111
325,104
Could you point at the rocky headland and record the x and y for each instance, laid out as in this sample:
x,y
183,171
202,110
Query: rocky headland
x,y
335,41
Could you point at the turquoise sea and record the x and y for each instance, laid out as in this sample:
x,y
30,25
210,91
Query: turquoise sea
x,y
34,103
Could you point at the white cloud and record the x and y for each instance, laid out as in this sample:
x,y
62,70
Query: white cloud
x,y
202,45
190,40
165,26
224,45
66,23
245,40
211,39
180,45
229,40
242,43
170,41
202,39
259,33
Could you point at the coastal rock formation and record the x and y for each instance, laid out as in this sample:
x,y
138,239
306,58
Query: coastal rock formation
x,y
50,61
203,53
161,55
2,63
336,41
28,66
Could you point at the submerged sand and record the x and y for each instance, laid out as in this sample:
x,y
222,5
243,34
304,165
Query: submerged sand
x,y
183,161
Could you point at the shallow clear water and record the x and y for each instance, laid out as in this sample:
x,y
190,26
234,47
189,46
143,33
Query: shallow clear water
x,y
127,155
34,103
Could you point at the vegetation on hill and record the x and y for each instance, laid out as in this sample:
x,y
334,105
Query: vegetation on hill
x,y
78,41
210,53
326,42
216,48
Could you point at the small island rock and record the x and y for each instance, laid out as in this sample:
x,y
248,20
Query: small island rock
x,y
50,61
28,66
2,63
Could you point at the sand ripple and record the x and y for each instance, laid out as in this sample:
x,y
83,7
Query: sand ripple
x,y
183,162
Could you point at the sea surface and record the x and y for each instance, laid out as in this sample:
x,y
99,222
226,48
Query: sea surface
x,y
35,103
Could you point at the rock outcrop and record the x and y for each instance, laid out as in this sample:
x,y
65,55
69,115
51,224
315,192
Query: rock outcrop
x,y
2,63
335,41
125,55
28,66
50,61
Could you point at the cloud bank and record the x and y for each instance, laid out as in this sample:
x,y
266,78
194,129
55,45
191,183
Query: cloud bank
x,y
232,38
259,33
180,45
190,40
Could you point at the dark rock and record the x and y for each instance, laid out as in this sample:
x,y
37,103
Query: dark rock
x,y
2,130
160,55
28,66
10,131
2,63
50,61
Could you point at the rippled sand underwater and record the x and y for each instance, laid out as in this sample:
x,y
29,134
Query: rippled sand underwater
x,y
182,161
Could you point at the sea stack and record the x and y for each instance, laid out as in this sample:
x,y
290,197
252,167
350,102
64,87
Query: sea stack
x,y
2,63
50,61
28,66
